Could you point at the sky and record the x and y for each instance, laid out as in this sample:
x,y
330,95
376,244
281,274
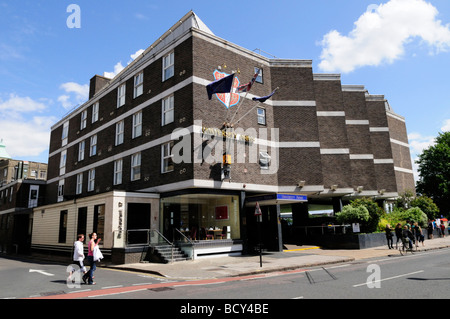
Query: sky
x,y
50,49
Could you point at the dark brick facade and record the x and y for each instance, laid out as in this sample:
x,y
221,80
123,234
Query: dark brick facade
x,y
328,134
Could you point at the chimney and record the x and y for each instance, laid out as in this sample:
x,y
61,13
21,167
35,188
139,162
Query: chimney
x,y
98,82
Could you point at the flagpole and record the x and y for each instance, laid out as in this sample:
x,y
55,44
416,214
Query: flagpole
x,y
238,107
247,112
253,108
248,88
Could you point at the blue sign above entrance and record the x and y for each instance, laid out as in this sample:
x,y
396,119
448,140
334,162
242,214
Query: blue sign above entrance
x,y
302,198
274,198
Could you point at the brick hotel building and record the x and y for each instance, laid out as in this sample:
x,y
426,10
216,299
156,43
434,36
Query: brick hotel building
x,y
111,166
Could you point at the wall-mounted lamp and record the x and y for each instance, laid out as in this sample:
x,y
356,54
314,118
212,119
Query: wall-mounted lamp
x,y
301,184
381,191
360,189
333,187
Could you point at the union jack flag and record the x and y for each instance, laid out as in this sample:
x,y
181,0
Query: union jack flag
x,y
248,86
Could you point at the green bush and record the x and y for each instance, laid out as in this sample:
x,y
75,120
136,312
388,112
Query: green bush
x,y
351,214
400,215
375,213
417,215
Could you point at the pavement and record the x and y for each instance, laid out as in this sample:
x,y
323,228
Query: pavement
x,y
292,258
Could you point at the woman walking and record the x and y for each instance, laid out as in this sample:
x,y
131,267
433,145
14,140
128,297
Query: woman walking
x,y
91,246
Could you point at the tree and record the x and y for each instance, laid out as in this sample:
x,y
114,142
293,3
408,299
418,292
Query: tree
x,y
427,205
434,173
375,213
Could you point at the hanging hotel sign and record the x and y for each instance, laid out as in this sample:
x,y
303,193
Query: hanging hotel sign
x,y
227,134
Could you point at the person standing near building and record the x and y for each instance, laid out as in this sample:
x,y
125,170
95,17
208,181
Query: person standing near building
x,y
389,236
398,233
419,234
430,229
89,276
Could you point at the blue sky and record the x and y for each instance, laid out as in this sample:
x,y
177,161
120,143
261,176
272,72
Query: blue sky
x,y
398,48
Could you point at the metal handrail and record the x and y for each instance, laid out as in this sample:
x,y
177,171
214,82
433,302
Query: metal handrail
x,y
168,241
189,240
162,236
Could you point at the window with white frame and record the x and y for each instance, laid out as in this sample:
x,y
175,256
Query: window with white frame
x,y
261,115
93,146
81,147
118,165
60,190
135,166
83,120
121,95
167,110
259,78
119,132
62,162
79,187
167,157
168,66
91,180
65,133
138,84
264,160
95,110
137,124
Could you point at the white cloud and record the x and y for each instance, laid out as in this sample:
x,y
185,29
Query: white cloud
x,y
82,91
135,55
24,136
418,143
16,104
78,94
119,67
65,101
380,34
446,126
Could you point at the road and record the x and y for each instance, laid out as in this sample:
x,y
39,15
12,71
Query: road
x,y
31,279
424,275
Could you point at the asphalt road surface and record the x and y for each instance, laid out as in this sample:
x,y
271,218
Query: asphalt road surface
x,y
424,275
